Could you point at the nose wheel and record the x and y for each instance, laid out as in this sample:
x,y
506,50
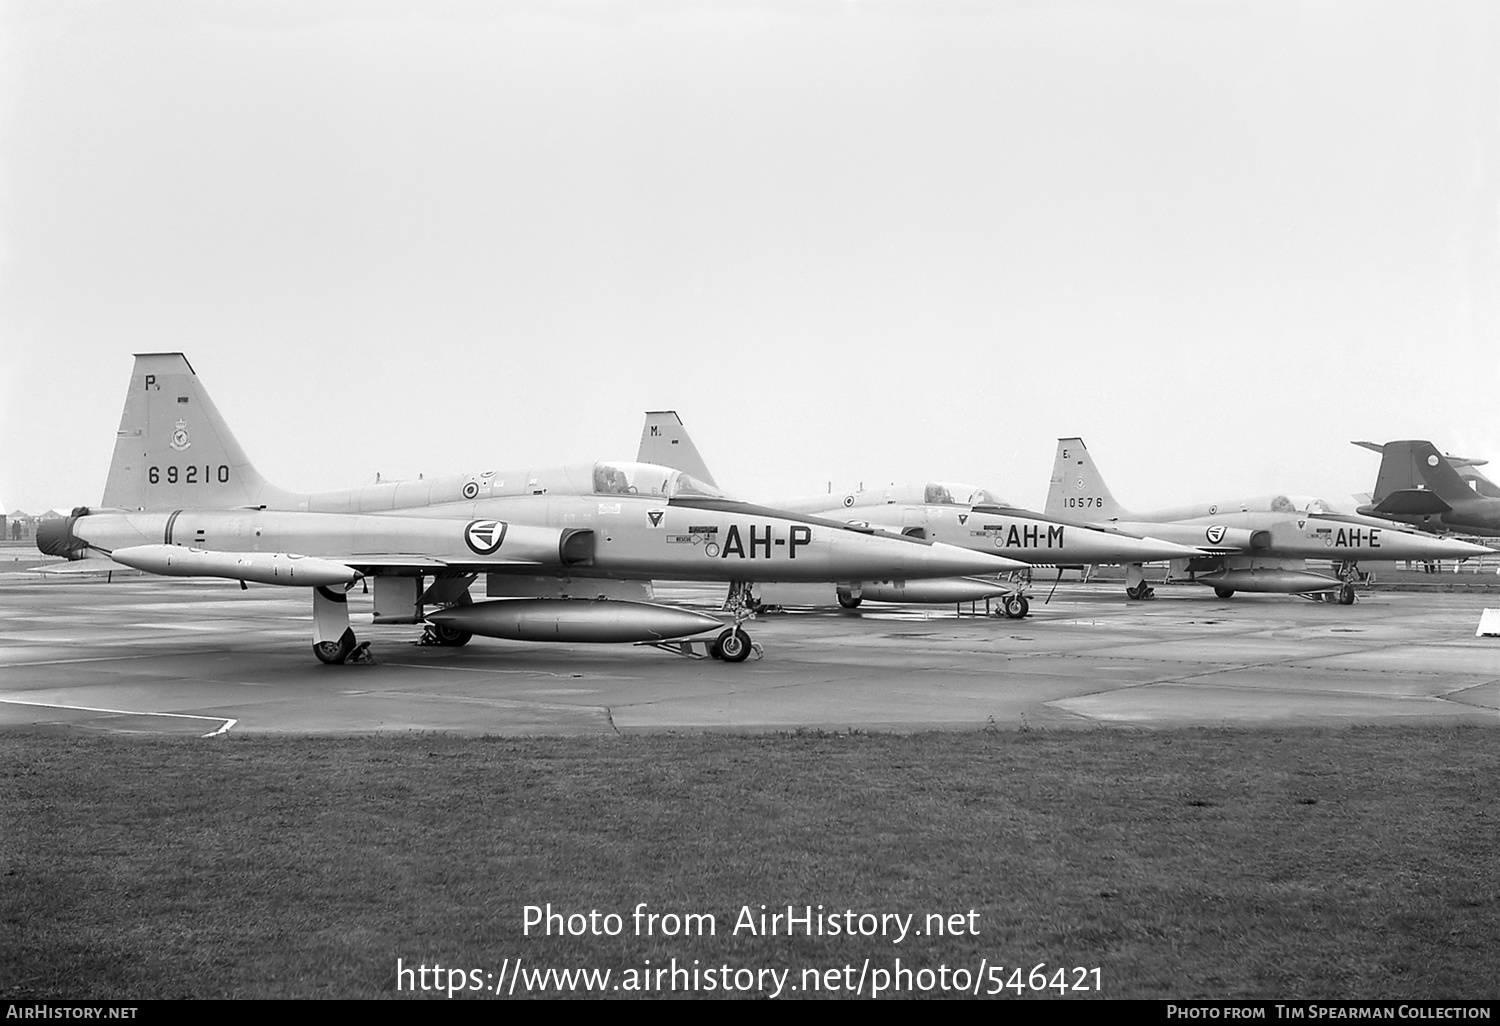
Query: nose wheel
x,y
1015,607
733,646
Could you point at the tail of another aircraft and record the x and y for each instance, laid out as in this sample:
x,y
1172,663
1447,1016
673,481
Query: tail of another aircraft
x,y
1398,469
1416,464
173,449
1434,470
1078,490
665,442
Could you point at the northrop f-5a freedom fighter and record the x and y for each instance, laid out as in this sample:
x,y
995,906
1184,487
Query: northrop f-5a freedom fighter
x,y
1256,545
568,547
954,514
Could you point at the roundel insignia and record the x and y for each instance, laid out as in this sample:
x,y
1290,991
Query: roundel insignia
x,y
1432,461
848,500
1213,509
1216,533
485,536
471,489
1080,484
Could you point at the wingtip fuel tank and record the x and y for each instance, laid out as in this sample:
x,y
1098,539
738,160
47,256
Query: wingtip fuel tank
x,y
260,567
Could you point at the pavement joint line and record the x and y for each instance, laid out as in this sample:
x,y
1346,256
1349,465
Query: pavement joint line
x,y
487,669
482,701
88,659
1337,692
1471,687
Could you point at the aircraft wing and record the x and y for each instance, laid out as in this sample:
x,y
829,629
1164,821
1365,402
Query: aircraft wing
x,y
290,569
392,562
1412,501
94,565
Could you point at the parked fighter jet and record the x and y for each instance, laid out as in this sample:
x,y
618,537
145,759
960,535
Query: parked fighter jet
x,y
182,499
1419,486
1258,545
958,514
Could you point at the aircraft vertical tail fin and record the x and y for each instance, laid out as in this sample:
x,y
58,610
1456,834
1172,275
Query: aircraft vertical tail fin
x,y
1432,468
1077,489
665,442
173,449
1398,469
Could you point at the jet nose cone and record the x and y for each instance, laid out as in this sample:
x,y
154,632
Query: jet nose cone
x,y
1151,550
1460,549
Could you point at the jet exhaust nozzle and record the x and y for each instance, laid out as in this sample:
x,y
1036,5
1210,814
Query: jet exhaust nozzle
x,y
56,538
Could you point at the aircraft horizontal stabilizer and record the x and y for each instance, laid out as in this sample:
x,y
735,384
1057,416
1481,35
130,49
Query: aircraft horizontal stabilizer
x,y
1412,502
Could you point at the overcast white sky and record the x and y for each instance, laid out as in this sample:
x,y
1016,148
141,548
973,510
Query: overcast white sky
x,y
848,241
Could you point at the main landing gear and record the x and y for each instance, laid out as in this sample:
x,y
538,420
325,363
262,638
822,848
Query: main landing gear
x,y
1135,583
445,635
333,638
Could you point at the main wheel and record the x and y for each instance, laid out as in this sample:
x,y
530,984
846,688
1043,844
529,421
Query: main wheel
x,y
1224,592
1012,606
1346,594
335,652
733,645
848,599
448,635
1138,592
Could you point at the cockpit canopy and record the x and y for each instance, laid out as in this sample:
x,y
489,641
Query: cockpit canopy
x,y
954,494
1311,504
614,478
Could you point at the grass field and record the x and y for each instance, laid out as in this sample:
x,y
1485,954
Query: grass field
x,y
1358,863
